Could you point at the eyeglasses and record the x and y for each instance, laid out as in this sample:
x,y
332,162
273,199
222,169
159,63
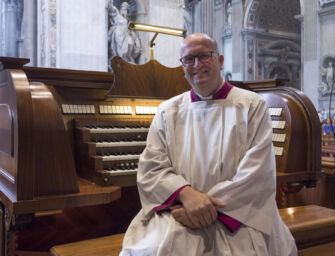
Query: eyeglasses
x,y
189,60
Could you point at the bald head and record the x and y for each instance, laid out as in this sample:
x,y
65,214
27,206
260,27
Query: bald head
x,y
198,38
203,63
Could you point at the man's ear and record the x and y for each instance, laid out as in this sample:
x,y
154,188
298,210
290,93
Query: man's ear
x,y
221,59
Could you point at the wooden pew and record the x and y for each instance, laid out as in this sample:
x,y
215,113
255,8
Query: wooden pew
x,y
328,153
312,226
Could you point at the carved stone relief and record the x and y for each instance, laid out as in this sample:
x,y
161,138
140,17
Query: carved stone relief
x,y
121,41
326,75
250,59
228,19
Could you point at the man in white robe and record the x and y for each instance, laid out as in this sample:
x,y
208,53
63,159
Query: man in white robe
x,y
207,178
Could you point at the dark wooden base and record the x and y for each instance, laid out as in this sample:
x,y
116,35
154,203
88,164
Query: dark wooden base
x,y
80,223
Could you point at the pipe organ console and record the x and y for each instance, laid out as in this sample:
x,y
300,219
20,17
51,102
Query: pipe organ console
x,y
73,139
296,136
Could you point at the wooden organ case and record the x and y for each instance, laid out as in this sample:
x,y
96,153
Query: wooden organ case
x,y
70,140
69,146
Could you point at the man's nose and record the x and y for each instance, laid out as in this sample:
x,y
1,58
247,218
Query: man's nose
x,y
197,62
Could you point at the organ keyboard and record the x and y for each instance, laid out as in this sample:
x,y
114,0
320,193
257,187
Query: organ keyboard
x,y
102,130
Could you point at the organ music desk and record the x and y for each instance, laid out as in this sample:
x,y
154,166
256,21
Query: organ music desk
x,y
72,139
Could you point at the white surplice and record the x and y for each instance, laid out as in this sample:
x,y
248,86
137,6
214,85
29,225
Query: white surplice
x,y
222,148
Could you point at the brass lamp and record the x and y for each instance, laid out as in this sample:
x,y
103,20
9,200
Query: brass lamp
x,y
156,30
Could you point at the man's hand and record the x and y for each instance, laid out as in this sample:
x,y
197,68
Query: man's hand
x,y
200,208
179,214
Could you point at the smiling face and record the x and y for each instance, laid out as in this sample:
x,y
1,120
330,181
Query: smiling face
x,y
204,77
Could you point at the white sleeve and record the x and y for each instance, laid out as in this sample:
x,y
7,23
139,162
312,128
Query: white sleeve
x,y
156,178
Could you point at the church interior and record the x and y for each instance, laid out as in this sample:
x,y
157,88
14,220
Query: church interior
x,y
79,90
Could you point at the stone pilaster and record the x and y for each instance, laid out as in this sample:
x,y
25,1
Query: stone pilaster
x,y
11,28
207,15
309,46
237,43
30,31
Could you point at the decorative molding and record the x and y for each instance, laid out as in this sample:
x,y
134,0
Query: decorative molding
x,y
326,11
326,2
271,34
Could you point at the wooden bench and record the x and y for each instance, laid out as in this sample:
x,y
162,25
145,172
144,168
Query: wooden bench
x,y
103,246
328,150
312,226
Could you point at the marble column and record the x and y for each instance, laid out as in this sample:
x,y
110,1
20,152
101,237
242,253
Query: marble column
x,y
142,17
2,28
309,46
11,25
237,43
30,31
204,13
207,14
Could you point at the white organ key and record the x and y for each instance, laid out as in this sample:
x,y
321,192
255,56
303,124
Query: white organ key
x,y
275,111
83,109
120,157
138,110
117,110
101,109
114,110
278,124
120,172
86,109
129,110
118,130
65,108
120,143
278,137
80,109
71,107
278,151
153,110
105,107
92,109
